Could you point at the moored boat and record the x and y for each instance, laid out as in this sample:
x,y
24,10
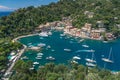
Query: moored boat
x,y
86,46
90,64
35,62
67,49
76,58
43,34
108,59
50,58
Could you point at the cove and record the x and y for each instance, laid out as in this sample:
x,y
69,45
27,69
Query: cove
x,y
55,45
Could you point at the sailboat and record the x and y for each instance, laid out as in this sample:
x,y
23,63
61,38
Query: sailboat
x,y
91,62
108,59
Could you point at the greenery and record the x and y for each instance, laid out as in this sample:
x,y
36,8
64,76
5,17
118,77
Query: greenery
x,y
6,47
61,72
24,21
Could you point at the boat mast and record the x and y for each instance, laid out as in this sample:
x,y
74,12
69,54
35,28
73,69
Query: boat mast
x,y
110,53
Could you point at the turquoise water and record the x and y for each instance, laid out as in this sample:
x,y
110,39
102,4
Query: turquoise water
x,y
58,44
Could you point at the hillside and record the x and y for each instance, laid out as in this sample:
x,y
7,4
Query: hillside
x,y
24,20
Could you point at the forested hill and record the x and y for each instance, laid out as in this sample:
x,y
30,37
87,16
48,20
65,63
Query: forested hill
x,y
24,20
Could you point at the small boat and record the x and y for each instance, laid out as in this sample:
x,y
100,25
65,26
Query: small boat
x,y
50,58
43,34
38,58
49,33
40,54
67,50
85,51
91,60
86,46
36,63
76,58
62,34
48,46
105,41
41,45
52,50
90,64
29,43
108,59
81,40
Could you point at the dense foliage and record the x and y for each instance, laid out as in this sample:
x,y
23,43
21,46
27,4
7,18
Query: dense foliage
x,y
6,47
24,20
61,72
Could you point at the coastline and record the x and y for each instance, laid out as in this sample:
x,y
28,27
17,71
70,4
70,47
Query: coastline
x,y
15,39
8,72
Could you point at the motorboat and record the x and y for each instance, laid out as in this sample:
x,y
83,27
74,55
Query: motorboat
x,y
90,64
90,60
67,50
76,58
40,54
43,34
38,58
50,58
35,62
86,46
41,44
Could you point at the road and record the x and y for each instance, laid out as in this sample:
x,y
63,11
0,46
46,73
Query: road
x,y
8,71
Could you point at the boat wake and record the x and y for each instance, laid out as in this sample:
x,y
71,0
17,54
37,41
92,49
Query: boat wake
x,y
85,51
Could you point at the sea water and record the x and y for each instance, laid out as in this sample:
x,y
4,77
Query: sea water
x,y
58,43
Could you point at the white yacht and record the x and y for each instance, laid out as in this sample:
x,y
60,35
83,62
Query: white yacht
x,y
40,54
41,44
86,46
43,34
38,58
108,59
35,62
81,40
91,59
90,64
62,34
67,49
49,33
50,58
76,58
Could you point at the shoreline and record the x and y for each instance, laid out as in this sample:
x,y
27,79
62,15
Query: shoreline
x,y
15,39
18,55
24,48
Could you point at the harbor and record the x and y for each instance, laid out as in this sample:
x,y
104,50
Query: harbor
x,y
61,48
